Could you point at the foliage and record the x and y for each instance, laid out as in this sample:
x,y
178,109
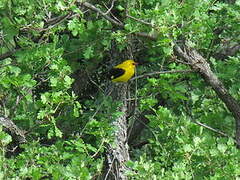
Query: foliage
x,y
53,86
179,149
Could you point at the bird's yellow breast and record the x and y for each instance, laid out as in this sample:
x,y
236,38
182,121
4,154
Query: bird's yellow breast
x,y
126,76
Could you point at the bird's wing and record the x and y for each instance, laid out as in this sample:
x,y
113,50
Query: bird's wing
x,y
116,72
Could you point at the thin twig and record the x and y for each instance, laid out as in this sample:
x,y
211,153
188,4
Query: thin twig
x,y
7,54
114,17
92,7
162,72
110,168
136,90
140,20
182,62
94,114
101,145
212,129
51,23
19,98
55,20
92,81
113,1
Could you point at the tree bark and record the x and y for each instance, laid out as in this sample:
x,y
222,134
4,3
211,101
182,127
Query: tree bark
x,y
117,153
198,63
15,131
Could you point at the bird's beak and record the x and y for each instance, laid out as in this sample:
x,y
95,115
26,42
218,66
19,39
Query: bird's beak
x,y
136,63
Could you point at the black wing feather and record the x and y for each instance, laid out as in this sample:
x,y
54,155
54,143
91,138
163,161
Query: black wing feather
x,y
115,72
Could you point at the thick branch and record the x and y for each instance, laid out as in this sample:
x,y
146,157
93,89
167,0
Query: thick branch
x,y
197,62
227,51
9,125
51,23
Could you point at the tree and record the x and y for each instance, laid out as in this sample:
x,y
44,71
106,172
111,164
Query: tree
x,y
178,118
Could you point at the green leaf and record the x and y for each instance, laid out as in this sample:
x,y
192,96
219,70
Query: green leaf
x,y
88,53
76,109
187,148
222,148
54,67
120,8
5,138
54,81
44,98
68,81
58,132
237,2
14,69
91,148
197,140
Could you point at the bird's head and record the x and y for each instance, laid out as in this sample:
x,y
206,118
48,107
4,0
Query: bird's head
x,y
130,63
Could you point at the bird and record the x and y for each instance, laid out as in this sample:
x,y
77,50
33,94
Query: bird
x,y
123,72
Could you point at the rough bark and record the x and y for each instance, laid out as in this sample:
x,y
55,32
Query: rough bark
x,y
117,153
198,63
227,51
15,131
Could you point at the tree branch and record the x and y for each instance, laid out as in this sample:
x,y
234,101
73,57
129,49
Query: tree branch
x,y
9,125
7,54
49,24
227,51
121,25
211,129
162,72
112,4
198,63
118,154
104,15
140,20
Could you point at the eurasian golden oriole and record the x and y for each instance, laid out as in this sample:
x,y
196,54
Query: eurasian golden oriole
x,y
123,72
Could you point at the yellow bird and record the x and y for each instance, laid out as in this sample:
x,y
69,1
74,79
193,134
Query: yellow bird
x,y
123,72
